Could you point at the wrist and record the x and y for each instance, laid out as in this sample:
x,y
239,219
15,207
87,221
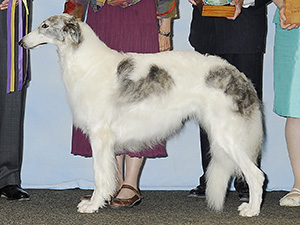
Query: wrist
x,y
166,34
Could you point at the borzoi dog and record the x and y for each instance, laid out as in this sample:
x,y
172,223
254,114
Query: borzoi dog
x,y
130,101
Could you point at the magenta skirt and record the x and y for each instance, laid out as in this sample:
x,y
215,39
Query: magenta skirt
x,y
132,29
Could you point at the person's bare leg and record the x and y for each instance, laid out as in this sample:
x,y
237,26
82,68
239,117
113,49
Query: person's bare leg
x,y
120,176
292,132
293,144
133,166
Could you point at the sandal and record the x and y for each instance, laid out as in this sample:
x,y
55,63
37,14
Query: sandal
x,y
291,199
118,203
86,197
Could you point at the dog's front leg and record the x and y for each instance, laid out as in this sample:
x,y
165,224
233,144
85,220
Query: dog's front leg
x,y
102,142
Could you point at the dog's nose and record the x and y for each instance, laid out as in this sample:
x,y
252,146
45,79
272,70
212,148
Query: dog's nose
x,y
21,43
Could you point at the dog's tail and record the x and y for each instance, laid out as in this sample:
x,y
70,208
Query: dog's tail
x,y
218,175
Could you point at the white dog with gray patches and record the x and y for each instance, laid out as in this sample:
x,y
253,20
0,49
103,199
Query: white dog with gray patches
x,y
129,101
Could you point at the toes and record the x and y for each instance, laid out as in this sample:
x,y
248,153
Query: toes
x,y
247,210
243,206
86,206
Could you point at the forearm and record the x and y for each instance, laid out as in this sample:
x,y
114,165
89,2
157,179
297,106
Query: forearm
x,y
165,25
279,3
164,34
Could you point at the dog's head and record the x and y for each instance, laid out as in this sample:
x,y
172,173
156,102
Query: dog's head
x,y
60,30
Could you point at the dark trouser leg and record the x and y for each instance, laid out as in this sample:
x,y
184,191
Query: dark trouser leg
x,y
11,119
204,143
11,137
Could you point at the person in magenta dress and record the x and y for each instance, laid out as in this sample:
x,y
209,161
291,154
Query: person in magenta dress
x,y
143,27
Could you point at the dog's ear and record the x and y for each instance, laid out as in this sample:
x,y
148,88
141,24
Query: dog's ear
x,y
73,31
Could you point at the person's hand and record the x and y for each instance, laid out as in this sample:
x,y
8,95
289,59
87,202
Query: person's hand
x,y
164,43
283,20
238,8
193,2
4,4
237,3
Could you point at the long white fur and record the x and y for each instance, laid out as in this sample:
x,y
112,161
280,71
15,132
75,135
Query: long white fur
x,y
89,72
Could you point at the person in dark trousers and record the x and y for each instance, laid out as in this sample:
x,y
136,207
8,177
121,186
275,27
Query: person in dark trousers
x,y
14,73
241,40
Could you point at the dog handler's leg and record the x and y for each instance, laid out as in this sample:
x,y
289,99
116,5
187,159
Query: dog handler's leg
x,y
102,142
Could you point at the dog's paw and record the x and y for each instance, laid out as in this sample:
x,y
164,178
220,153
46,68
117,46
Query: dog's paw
x,y
87,206
247,210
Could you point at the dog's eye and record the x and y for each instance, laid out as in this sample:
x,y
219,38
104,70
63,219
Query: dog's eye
x,y
45,26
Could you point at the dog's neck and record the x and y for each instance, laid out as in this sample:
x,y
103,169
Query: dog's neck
x,y
75,55
91,59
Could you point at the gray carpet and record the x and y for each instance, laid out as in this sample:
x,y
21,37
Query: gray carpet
x,y
157,207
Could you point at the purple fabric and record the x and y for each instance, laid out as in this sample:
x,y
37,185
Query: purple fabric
x,y
20,49
9,62
132,29
18,74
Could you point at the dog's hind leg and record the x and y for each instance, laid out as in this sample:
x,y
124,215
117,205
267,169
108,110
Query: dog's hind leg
x,y
253,176
219,172
255,179
235,151
244,149
102,142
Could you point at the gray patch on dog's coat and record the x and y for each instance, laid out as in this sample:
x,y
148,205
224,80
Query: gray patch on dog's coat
x,y
157,82
73,30
233,83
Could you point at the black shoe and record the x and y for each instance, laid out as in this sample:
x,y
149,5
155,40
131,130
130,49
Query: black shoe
x,y
242,188
14,192
244,195
198,192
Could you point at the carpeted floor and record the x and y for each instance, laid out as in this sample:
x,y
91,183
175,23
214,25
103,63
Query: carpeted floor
x,y
158,207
